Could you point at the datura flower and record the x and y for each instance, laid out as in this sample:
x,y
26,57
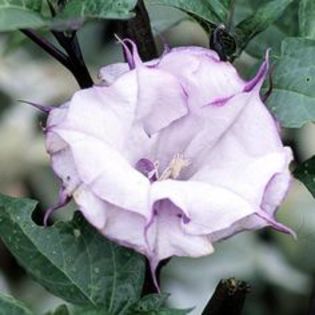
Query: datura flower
x,y
170,156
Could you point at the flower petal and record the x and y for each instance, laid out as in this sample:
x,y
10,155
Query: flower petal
x,y
167,237
247,156
107,173
204,78
108,74
209,208
161,99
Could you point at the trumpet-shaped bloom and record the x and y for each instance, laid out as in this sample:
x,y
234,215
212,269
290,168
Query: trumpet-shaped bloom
x,y
170,156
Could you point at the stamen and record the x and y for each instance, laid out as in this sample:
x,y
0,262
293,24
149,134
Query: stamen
x,y
177,164
173,170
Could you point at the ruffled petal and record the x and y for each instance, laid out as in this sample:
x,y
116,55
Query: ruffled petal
x,y
247,156
107,173
204,78
91,206
166,236
207,208
161,99
120,225
108,74
106,113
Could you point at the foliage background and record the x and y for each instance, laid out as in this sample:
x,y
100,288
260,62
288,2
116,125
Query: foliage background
x,y
280,270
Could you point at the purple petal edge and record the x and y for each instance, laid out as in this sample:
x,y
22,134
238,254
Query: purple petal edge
x,y
42,108
131,55
260,76
63,200
276,225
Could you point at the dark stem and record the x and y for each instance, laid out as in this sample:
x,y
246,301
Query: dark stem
x,y
73,61
311,309
228,298
139,30
70,43
48,47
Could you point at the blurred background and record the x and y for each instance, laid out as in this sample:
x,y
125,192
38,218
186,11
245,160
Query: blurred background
x,y
279,269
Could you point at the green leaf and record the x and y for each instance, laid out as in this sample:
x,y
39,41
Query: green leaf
x,y
75,10
212,11
15,14
10,306
154,304
293,96
286,26
92,311
307,18
72,259
264,16
61,310
305,173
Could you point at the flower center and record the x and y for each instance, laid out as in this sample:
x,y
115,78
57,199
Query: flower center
x,y
173,170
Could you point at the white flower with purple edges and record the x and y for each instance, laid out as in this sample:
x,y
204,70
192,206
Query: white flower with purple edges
x,y
170,156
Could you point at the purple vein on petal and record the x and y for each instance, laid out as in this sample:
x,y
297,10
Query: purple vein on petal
x,y
219,101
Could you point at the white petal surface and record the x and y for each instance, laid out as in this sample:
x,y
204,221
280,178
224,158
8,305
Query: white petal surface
x,y
209,208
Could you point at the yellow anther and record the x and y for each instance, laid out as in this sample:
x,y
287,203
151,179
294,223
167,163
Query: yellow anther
x,y
177,164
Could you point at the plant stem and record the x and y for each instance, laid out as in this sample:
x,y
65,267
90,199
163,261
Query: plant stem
x,y
48,47
73,61
228,298
79,69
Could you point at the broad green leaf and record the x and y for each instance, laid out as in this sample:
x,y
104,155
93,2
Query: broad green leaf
x,y
286,26
71,259
307,18
154,304
163,18
264,16
113,9
15,14
305,172
71,14
293,96
10,306
61,310
212,11
89,311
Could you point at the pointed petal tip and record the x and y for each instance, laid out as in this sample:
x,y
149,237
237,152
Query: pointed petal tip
x,y
63,200
43,108
257,81
131,53
153,267
277,225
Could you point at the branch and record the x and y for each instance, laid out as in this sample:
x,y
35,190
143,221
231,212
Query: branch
x,y
73,61
79,69
228,298
311,308
48,47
